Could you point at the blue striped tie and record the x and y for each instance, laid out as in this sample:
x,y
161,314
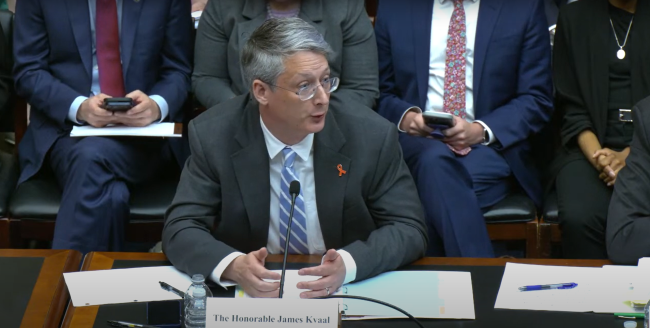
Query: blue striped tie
x,y
298,240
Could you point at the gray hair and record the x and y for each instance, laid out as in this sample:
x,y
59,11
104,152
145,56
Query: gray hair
x,y
277,39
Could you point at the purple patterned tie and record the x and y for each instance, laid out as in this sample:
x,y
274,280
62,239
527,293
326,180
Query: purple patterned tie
x,y
454,97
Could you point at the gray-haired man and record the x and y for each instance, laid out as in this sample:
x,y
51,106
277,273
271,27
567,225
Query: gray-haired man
x,y
358,203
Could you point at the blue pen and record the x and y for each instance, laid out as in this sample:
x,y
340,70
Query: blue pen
x,y
551,286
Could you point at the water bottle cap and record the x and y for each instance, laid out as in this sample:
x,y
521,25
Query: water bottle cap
x,y
629,324
198,278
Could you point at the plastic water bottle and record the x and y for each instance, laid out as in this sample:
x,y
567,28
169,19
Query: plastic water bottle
x,y
195,302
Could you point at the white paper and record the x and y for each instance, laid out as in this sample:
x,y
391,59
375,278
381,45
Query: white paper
x,y
578,299
644,263
271,312
431,294
165,129
608,289
424,294
124,285
291,280
617,287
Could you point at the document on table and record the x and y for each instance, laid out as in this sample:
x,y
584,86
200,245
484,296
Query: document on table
x,y
609,289
578,299
644,263
618,286
424,294
165,129
124,285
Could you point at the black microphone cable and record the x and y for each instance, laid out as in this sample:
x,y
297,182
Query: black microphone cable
x,y
367,299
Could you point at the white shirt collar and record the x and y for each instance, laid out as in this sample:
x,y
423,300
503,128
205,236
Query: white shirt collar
x,y
275,146
443,1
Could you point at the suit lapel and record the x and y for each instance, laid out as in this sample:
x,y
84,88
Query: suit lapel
x,y
255,13
312,12
80,23
422,12
330,188
488,15
251,166
130,18
599,65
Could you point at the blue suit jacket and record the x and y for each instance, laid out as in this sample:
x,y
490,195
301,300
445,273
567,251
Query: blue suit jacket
x,y
52,47
512,72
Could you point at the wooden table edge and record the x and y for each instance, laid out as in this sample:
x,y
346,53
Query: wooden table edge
x,y
105,260
49,289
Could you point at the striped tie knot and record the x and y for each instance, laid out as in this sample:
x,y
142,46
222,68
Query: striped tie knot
x,y
289,156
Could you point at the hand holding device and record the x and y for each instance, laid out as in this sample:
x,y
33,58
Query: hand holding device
x,y
438,120
144,112
118,104
413,124
92,112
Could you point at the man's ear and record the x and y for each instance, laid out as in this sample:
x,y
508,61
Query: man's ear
x,y
261,92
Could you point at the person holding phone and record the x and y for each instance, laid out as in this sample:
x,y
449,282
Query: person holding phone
x,y
135,49
487,64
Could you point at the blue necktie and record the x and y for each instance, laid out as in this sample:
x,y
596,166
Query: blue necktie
x,y
298,240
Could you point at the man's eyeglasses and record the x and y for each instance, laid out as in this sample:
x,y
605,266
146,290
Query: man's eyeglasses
x,y
307,92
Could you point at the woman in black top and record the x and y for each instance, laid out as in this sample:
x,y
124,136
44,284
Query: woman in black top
x,y
601,69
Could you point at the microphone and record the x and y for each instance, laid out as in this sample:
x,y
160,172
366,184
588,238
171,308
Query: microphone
x,y
294,191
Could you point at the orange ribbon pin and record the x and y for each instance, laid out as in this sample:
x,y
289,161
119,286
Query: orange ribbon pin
x,y
341,170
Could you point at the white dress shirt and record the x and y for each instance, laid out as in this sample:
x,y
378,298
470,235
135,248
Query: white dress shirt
x,y
442,12
304,167
94,87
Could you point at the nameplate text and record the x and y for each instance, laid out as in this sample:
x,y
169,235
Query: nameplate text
x,y
258,312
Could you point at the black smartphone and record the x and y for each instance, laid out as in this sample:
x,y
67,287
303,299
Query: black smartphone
x,y
438,120
118,104
164,314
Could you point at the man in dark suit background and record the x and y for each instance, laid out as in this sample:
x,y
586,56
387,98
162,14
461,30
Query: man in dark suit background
x,y
70,56
488,63
6,82
358,203
628,220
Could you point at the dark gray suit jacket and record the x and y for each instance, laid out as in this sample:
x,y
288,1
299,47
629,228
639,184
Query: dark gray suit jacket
x,y
628,221
223,199
226,25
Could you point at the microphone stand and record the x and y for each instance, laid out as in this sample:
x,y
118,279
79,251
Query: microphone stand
x,y
294,194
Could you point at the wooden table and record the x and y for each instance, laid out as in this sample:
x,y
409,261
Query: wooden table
x,y
84,317
49,296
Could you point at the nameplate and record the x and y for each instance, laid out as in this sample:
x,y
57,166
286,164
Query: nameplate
x,y
259,312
